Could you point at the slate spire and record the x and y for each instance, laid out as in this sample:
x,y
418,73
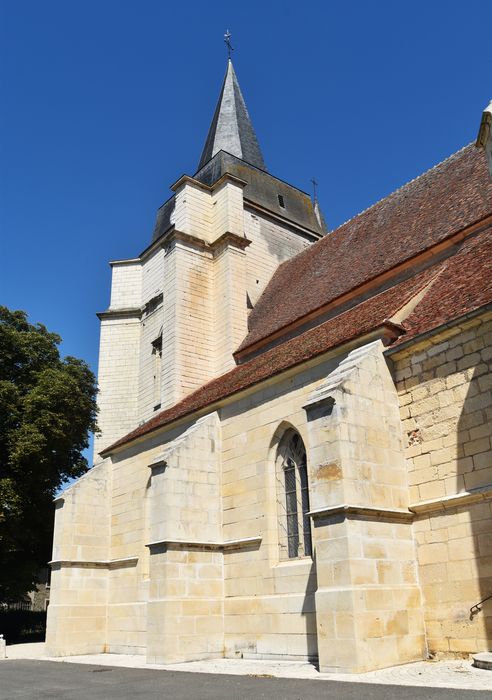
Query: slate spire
x,y
231,129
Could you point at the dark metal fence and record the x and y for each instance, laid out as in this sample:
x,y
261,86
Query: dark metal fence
x,y
19,605
22,625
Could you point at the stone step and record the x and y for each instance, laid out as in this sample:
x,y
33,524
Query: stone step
x,y
483,660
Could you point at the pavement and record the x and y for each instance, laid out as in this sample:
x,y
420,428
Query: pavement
x,y
36,679
459,675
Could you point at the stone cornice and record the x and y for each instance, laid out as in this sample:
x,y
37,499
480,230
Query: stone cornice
x,y
134,313
327,401
438,330
159,463
355,295
128,261
454,501
226,546
226,177
232,239
433,506
387,331
155,245
308,233
370,512
98,564
304,365
186,238
227,238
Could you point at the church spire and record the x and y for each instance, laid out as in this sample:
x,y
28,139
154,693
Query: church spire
x,y
231,129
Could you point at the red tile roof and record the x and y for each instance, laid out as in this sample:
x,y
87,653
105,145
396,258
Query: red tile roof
x,y
356,322
464,285
449,197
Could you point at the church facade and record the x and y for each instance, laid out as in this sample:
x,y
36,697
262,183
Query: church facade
x,y
295,456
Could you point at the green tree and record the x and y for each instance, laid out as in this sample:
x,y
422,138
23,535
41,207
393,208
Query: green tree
x,y
47,411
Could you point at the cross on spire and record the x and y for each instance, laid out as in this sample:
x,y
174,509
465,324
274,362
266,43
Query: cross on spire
x,y
227,39
315,184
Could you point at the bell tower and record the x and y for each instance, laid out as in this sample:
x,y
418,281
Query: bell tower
x,y
180,309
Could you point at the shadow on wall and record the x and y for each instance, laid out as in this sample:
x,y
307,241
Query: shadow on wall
x,y
308,612
474,453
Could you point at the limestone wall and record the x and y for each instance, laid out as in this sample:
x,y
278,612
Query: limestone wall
x,y
127,588
193,210
203,497
119,352
150,390
169,338
445,389
269,608
151,325
118,379
205,288
79,578
368,601
271,245
185,610
193,361
227,210
126,284
229,305
364,567
204,312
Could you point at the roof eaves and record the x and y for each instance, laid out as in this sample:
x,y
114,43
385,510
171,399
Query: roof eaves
x,y
247,348
385,329
419,337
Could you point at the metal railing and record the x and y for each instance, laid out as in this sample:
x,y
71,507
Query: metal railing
x,y
475,609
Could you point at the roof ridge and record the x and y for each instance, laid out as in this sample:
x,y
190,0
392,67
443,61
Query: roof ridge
x,y
311,343
306,251
425,211
406,184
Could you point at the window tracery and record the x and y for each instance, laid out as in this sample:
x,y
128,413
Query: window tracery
x,y
293,497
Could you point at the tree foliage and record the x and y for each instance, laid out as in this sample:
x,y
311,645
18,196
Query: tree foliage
x,y
47,411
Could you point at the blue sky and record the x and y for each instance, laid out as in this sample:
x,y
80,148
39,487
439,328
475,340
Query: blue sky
x,y
106,103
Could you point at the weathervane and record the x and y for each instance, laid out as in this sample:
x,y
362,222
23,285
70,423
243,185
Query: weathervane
x,y
315,184
227,39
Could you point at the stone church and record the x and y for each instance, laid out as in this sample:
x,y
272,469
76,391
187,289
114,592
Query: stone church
x,y
295,453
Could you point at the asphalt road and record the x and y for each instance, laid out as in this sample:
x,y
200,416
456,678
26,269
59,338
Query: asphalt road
x,y
43,680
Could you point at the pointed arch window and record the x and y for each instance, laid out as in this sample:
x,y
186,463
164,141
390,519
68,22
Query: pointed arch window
x,y
293,497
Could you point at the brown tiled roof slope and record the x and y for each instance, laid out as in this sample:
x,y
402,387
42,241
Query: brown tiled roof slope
x,y
358,321
449,197
453,287
460,284
464,285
